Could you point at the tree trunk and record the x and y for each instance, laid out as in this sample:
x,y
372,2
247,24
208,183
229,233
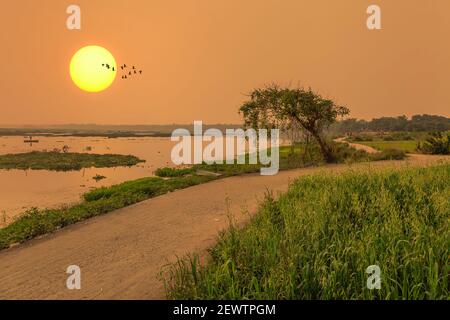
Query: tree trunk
x,y
307,145
324,147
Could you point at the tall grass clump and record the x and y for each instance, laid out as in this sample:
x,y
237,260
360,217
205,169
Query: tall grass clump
x,y
317,240
168,172
388,154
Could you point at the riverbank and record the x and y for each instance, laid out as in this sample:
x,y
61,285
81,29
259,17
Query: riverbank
x,y
26,189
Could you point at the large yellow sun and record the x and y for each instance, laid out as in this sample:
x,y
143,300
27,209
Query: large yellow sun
x,y
93,68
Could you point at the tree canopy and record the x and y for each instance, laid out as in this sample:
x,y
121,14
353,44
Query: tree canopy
x,y
281,107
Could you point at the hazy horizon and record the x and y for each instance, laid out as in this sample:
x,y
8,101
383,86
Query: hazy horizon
x,y
154,124
200,58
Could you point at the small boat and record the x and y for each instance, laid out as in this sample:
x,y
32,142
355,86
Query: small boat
x,y
30,140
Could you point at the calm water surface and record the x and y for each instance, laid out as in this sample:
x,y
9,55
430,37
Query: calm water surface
x,y
24,189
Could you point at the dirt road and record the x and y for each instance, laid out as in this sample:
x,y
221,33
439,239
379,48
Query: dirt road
x,y
121,253
358,146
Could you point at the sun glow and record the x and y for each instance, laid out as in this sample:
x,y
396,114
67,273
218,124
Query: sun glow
x,y
93,68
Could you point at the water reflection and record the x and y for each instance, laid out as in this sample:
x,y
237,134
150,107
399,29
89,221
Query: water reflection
x,y
21,190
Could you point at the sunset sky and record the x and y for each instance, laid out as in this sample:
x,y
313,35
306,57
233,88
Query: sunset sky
x,y
201,56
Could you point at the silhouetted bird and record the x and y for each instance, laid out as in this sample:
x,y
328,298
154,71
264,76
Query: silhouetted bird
x,y
129,73
133,67
134,71
140,71
113,69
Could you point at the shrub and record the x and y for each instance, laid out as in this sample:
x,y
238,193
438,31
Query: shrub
x,y
388,154
436,143
344,153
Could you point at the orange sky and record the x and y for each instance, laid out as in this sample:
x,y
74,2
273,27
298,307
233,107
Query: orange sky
x,y
200,56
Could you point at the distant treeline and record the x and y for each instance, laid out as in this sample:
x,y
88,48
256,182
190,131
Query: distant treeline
x,y
423,122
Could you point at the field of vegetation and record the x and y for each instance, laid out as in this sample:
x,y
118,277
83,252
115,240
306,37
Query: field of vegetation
x,y
408,146
317,240
435,142
60,161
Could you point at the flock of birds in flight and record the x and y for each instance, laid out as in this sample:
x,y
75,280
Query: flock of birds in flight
x,y
124,67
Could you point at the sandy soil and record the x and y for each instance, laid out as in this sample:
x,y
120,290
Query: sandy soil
x,y
121,254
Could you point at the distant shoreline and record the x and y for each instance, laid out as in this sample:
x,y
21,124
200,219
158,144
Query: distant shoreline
x,y
107,131
85,134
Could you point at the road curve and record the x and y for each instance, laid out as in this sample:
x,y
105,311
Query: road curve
x,y
358,146
121,253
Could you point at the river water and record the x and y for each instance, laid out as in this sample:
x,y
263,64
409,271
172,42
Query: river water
x,y
24,189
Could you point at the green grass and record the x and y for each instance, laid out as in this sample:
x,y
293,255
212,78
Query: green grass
x,y
408,146
56,161
316,241
173,172
292,157
99,201
388,154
